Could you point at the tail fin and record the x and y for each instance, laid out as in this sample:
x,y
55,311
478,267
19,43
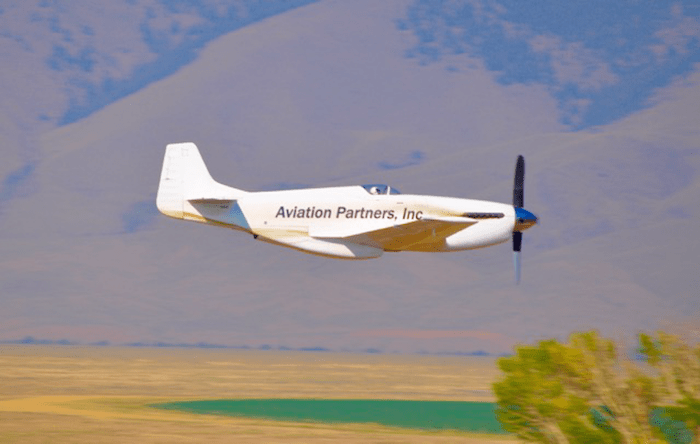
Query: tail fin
x,y
185,178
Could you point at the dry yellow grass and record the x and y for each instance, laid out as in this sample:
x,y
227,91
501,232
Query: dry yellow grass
x,y
101,394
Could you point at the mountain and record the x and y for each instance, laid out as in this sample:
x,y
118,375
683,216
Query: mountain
x,y
330,94
64,61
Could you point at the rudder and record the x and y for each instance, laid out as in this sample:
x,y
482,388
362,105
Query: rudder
x,y
186,177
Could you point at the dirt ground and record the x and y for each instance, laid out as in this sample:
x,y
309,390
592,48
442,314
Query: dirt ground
x,y
101,394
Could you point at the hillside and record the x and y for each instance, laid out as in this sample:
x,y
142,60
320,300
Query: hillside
x,y
304,99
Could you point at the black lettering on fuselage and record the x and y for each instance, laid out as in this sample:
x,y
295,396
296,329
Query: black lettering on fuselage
x,y
304,213
412,215
313,212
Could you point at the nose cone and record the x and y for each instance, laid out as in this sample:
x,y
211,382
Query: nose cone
x,y
524,219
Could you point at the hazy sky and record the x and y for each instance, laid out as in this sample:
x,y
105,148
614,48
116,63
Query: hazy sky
x,y
433,97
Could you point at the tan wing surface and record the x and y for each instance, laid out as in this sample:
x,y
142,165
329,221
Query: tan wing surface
x,y
428,230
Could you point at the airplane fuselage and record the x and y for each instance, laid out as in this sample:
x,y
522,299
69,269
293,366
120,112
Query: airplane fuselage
x,y
350,222
321,216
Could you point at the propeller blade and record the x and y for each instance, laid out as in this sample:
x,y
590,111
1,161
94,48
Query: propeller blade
x,y
518,194
517,240
517,243
518,202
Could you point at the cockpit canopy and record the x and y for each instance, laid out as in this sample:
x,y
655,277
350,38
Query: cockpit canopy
x,y
376,188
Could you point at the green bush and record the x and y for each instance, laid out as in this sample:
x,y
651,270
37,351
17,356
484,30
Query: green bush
x,y
584,391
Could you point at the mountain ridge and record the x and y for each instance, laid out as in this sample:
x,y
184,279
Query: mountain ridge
x,y
87,257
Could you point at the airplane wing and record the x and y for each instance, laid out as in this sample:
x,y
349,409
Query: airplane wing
x,y
429,230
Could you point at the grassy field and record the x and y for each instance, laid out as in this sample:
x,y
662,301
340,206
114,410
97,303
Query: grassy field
x,y
101,394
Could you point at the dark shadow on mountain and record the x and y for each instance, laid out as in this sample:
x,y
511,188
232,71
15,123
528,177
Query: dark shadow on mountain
x,y
139,216
415,158
598,73
174,49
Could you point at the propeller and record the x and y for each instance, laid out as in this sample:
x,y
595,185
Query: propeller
x,y
523,218
518,195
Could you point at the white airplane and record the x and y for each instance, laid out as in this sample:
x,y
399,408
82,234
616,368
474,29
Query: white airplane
x,y
349,222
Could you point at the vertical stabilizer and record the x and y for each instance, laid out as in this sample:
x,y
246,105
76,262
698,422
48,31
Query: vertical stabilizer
x,y
185,177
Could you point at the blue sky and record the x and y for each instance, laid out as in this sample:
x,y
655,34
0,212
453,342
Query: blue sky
x,y
601,60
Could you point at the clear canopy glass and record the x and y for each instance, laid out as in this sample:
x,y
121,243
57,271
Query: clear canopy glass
x,y
377,188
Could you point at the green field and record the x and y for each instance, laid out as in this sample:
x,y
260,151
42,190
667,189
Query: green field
x,y
430,415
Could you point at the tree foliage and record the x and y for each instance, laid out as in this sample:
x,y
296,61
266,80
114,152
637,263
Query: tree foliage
x,y
585,391
678,383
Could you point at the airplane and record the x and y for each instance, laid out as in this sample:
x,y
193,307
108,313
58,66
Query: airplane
x,y
346,222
